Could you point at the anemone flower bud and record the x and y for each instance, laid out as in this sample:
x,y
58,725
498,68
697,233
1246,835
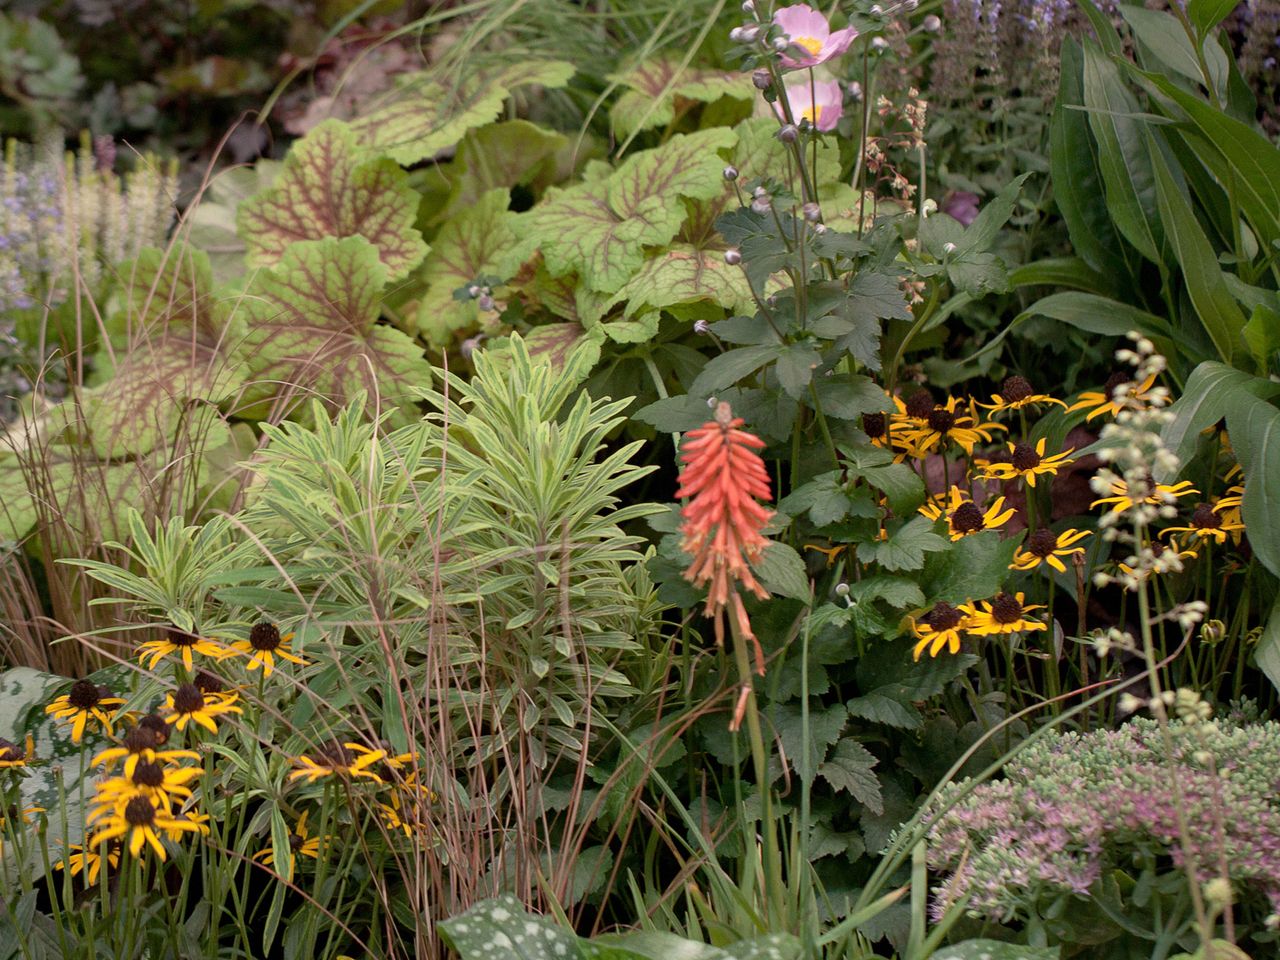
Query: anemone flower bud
x,y
789,133
731,172
932,23
761,79
732,257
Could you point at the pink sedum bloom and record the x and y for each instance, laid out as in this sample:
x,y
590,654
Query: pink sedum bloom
x,y
812,41
821,105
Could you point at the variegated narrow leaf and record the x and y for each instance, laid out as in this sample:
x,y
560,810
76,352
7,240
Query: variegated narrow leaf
x,y
313,331
332,186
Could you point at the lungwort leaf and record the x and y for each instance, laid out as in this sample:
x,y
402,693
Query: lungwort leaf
x,y
332,187
172,345
600,229
423,115
313,327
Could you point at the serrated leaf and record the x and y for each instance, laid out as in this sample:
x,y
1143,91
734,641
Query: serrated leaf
x,y
850,769
674,414
656,85
905,547
824,498
847,396
825,726
899,483
732,366
878,708
782,572
855,319
423,115
600,229
312,326
898,592
332,187
500,155
975,566
475,242
682,275
795,367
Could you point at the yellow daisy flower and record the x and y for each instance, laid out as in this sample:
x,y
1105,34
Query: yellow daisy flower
x,y
1122,498
1045,546
948,422
1106,401
1027,462
13,756
138,824
182,643
964,517
1206,523
265,644
335,757
139,746
1003,614
188,703
159,782
1016,393
940,627
84,702
301,844
1158,549
88,861
1229,506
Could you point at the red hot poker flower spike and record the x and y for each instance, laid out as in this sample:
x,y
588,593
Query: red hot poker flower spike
x,y
724,477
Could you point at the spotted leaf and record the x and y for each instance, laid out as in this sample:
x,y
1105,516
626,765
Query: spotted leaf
x,y
422,115
332,186
313,331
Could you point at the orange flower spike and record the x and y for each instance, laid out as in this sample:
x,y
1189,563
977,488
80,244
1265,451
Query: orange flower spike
x,y
724,478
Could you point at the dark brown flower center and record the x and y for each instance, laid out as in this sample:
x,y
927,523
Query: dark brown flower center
x,y
180,638
264,637
1204,518
1005,608
10,752
208,683
1016,388
139,812
148,774
140,738
1042,543
967,518
158,728
1025,457
943,616
874,424
1115,382
941,419
188,699
83,695
920,404
335,754
296,843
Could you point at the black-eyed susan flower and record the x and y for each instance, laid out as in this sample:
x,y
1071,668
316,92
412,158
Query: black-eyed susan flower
x,y
137,824
1229,506
340,759
141,744
948,423
265,644
1122,498
1027,462
23,816
1108,399
1045,546
13,756
964,517
1017,393
1002,614
188,703
180,643
1158,562
208,683
85,701
943,626
87,860
403,814
1206,524
159,782
302,843
876,427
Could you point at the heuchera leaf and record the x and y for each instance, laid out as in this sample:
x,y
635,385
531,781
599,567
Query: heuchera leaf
x,y
173,344
478,240
599,229
423,115
684,274
656,84
332,187
312,329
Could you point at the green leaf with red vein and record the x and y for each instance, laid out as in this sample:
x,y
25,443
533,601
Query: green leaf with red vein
x,y
424,115
313,332
333,187
600,229
478,240
685,274
172,344
657,87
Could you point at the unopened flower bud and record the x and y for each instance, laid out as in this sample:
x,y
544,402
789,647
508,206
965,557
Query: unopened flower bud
x,y
761,205
747,33
732,257
701,326
842,589
782,44
473,291
1213,631
855,90
731,173
819,228
879,44
876,10
470,345
812,212
948,248
930,206
748,7
910,5
485,302
1218,892
789,133
761,79
932,23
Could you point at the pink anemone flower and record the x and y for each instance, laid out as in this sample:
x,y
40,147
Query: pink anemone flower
x,y
822,104
812,41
